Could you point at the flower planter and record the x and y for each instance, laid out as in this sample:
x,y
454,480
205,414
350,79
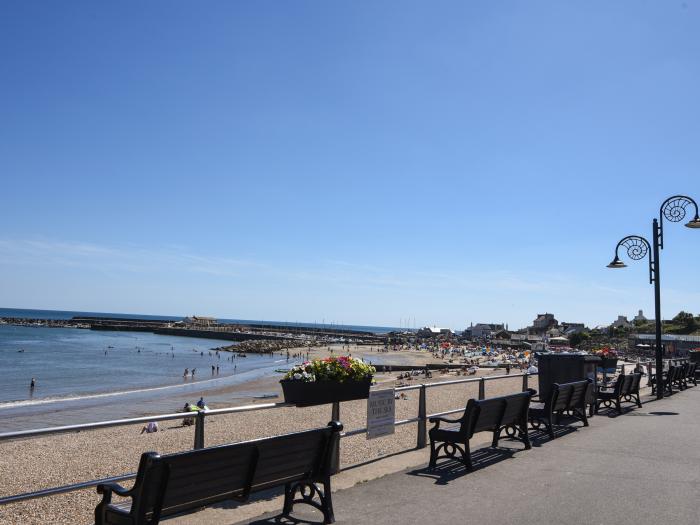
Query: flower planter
x,y
305,394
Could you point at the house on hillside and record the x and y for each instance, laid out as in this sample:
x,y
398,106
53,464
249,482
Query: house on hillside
x,y
428,332
621,322
483,330
543,323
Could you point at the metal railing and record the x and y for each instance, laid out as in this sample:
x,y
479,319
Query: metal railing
x,y
421,433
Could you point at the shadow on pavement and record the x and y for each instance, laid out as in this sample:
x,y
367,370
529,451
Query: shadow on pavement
x,y
447,470
285,520
539,437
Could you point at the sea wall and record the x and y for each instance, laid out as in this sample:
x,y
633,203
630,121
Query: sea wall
x,y
227,336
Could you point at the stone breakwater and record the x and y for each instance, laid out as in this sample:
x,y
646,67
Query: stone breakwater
x,y
265,346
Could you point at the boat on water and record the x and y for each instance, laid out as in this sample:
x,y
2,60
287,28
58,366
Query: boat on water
x,y
265,396
241,355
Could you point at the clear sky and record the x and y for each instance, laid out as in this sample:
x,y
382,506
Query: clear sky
x,y
360,162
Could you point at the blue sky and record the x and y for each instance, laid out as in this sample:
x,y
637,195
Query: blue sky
x,y
358,162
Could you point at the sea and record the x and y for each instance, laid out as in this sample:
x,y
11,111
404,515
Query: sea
x,y
84,375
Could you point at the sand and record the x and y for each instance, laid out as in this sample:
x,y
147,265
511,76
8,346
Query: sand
x,y
36,463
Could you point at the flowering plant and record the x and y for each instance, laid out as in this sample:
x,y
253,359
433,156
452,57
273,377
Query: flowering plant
x,y
340,369
606,353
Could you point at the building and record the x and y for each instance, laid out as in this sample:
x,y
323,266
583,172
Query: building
x,y
572,328
640,317
433,332
621,322
543,323
674,345
483,330
199,322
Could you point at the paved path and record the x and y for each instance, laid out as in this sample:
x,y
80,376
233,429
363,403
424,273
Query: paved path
x,y
639,468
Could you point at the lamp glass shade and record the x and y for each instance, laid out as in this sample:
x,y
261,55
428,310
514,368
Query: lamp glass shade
x,y
617,263
695,223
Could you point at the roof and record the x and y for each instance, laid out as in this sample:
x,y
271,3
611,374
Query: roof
x,y
670,337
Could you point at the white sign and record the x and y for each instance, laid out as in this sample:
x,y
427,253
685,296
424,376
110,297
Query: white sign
x,y
381,412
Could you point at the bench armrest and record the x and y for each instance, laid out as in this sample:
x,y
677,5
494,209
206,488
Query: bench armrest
x,y
437,420
106,489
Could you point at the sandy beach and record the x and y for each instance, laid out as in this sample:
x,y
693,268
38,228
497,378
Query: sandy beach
x,y
33,464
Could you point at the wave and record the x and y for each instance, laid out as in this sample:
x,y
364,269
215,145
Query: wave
x,y
67,399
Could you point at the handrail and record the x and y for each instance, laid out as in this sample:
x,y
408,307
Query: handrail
x,y
200,415
132,421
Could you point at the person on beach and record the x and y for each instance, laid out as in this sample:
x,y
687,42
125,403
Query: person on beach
x,y
150,428
213,368
32,384
188,420
217,369
193,371
187,372
200,403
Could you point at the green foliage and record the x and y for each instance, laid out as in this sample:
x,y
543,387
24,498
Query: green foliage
x,y
576,339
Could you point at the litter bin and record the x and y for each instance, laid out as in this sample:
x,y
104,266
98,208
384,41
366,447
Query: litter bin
x,y
566,368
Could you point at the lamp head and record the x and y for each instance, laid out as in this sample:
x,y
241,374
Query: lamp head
x,y
695,223
617,263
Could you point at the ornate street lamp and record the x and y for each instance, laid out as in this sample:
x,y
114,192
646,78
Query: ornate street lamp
x,y
674,210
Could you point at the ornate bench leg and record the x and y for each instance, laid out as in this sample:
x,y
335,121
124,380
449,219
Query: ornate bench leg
x,y
467,456
583,416
433,454
308,490
288,499
524,436
327,502
496,436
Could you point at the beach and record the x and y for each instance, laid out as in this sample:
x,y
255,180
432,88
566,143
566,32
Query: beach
x,y
36,463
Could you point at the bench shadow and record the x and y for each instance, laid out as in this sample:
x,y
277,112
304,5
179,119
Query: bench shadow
x,y
279,519
448,470
540,436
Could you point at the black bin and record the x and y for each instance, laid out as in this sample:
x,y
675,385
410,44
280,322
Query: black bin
x,y
565,368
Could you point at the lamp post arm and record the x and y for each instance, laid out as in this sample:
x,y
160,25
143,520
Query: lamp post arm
x,y
637,248
674,209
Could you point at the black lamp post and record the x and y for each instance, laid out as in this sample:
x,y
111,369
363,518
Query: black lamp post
x,y
674,210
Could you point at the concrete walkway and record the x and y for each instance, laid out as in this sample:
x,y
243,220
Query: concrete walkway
x,y
640,468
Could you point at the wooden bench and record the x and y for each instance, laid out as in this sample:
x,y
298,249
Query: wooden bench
x,y
668,379
564,398
186,481
625,390
690,377
495,414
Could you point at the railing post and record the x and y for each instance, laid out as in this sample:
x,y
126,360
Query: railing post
x,y
525,382
421,440
482,388
199,430
335,458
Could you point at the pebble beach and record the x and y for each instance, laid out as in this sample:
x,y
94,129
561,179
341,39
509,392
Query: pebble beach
x,y
35,463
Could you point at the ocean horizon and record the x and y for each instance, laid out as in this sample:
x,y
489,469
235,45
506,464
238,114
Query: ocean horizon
x,y
28,313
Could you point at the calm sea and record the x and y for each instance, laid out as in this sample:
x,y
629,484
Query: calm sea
x,y
84,375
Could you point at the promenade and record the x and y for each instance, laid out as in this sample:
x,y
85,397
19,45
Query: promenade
x,y
642,467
